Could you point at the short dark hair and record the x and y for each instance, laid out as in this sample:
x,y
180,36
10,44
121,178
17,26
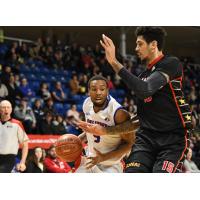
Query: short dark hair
x,y
97,77
151,33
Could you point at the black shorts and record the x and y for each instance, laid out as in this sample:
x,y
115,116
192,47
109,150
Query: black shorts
x,y
158,151
7,163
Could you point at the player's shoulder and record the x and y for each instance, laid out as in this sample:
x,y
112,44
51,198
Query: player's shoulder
x,y
169,60
86,103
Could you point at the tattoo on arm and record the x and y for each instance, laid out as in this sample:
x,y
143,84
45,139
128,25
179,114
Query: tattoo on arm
x,y
126,127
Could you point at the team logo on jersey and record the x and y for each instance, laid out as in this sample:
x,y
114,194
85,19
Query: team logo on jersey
x,y
87,113
148,99
107,119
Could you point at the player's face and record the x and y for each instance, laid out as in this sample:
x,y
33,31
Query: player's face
x,y
98,92
143,49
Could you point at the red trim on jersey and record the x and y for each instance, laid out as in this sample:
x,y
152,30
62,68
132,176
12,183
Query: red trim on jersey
x,y
150,65
14,121
180,79
183,153
179,111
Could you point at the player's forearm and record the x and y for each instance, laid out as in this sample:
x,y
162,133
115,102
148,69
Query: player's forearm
x,y
24,152
125,127
116,65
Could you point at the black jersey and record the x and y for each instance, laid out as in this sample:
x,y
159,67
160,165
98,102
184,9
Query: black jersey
x,y
167,109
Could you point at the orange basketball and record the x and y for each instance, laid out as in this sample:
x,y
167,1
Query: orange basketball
x,y
68,147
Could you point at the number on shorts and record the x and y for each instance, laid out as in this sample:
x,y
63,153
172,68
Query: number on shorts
x,y
168,166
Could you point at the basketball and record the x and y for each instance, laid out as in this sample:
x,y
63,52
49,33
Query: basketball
x,y
68,147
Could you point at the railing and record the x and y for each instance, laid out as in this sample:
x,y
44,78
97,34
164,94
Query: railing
x,y
20,40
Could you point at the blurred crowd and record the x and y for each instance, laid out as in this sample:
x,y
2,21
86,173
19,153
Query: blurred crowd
x,y
46,83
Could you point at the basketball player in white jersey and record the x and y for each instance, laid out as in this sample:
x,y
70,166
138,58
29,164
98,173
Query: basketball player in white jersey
x,y
104,153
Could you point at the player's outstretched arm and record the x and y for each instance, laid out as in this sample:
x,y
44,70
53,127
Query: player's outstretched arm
x,y
126,127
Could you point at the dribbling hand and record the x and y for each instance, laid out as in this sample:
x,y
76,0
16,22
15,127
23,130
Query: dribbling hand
x,y
92,161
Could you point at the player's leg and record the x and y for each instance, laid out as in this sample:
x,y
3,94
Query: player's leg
x,y
170,158
139,162
143,154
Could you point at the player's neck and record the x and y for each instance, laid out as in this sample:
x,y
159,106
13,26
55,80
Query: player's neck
x,y
154,56
98,108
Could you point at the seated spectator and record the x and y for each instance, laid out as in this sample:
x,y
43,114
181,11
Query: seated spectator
x,y
189,165
73,112
17,80
53,164
5,75
3,91
71,127
110,83
59,125
44,92
49,106
58,94
39,113
25,89
47,126
74,85
13,90
24,113
35,162
83,84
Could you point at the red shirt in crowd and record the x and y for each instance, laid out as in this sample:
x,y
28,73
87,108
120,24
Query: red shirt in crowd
x,y
56,165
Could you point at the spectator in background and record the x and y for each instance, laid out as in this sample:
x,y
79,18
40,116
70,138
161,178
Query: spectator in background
x,y
13,90
59,125
39,113
72,112
7,71
47,126
35,162
44,92
53,164
58,94
25,113
17,80
74,85
25,89
49,106
3,91
189,165
83,84
110,83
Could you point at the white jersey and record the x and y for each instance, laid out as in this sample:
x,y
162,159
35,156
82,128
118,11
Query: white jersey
x,y
105,117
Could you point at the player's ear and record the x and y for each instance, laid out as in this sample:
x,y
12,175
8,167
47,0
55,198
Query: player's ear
x,y
154,44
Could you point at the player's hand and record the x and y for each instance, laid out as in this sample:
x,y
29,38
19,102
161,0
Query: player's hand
x,y
92,161
109,47
21,167
94,129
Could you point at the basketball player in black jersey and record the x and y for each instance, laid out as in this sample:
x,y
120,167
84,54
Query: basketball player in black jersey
x,y
165,118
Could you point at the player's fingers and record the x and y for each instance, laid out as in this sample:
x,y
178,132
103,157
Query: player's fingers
x,y
105,40
102,44
109,41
